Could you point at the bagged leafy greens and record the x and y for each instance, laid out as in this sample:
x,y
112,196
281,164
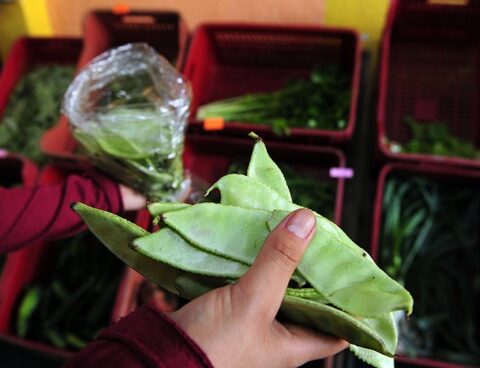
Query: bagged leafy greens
x,y
128,110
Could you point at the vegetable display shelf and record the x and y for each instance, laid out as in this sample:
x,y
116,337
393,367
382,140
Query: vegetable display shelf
x,y
230,60
429,78
426,234
103,29
207,158
34,268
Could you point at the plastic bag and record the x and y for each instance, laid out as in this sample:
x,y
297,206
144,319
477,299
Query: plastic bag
x,y
128,108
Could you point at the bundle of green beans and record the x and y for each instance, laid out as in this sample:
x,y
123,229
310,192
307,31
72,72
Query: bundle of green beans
x,y
430,243
33,107
68,305
206,245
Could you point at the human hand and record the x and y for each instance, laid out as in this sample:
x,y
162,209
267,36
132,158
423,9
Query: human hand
x,y
235,325
132,201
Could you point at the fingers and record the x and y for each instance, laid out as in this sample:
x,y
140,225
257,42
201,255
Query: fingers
x,y
307,345
265,282
132,200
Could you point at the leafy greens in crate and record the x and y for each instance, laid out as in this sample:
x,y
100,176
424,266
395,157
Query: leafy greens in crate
x,y
33,107
320,102
435,138
67,305
430,244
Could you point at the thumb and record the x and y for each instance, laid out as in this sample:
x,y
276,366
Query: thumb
x,y
265,282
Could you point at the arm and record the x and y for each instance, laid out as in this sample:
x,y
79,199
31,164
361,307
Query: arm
x,y
43,212
145,338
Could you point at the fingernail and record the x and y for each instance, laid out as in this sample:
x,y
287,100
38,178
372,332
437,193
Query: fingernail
x,y
301,223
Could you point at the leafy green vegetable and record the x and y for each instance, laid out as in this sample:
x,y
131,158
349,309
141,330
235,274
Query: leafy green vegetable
x,y
435,138
134,143
73,301
33,107
430,243
321,102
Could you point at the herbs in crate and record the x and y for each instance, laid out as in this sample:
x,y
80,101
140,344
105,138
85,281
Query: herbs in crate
x,y
435,138
320,102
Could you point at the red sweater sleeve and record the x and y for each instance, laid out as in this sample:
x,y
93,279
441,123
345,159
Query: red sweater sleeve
x,y
145,338
43,212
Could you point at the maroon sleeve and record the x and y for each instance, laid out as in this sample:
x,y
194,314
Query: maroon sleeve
x,y
43,212
145,338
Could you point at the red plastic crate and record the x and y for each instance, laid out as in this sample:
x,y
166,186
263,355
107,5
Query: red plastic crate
x,y
430,71
448,174
208,158
27,265
164,31
28,52
227,60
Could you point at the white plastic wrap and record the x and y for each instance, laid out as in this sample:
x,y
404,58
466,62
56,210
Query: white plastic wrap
x,y
128,108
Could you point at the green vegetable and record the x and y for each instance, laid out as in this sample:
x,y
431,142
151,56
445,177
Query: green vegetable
x,y
430,244
28,305
33,107
73,301
305,189
206,245
435,138
135,145
321,102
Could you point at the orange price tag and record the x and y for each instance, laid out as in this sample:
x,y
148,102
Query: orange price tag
x,y
216,123
120,9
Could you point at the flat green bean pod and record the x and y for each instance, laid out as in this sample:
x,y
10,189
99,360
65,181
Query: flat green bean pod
x,y
170,248
265,170
117,233
159,208
346,277
232,232
243,191
378,334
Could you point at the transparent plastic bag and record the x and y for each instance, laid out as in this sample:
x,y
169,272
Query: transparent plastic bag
x,y
128,108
